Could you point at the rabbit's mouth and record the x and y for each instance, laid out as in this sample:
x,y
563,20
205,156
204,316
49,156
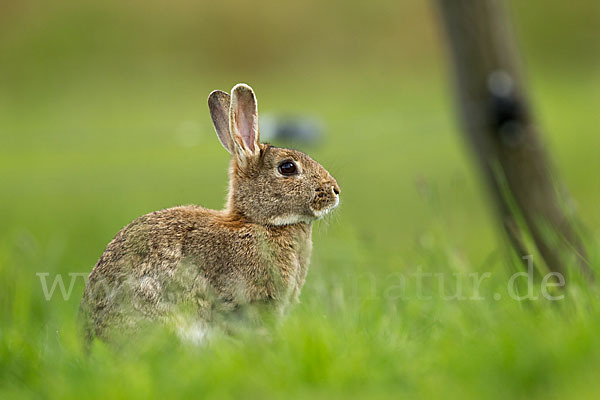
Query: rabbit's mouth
x,y
327,209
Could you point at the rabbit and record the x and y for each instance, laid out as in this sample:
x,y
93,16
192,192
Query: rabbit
x,y
211,263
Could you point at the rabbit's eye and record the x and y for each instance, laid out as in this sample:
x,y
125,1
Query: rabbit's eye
x,y
287,168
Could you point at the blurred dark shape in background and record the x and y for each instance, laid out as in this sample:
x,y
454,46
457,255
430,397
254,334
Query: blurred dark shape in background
x,y
290,129
505,137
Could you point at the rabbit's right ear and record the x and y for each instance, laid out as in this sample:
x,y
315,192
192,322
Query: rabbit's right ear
x,y
218,103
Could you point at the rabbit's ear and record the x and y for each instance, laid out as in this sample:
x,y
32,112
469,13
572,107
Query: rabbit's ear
x,y
243,119
218,103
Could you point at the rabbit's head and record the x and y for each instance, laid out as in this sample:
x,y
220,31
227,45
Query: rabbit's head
x,y
268,185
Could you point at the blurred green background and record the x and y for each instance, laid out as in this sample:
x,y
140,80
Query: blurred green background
x,y
103,118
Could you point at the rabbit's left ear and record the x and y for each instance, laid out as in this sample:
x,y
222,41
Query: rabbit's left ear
x,y
243,120
218,103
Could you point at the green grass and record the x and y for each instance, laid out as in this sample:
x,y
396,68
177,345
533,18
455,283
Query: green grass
x,y
86,147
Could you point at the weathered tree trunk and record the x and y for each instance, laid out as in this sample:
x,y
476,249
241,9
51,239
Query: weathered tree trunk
x,y
498,124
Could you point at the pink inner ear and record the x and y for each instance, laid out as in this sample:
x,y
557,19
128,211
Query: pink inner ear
x,y
247,128
246,118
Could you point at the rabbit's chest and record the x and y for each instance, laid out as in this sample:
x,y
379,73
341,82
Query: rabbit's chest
x,y
286,267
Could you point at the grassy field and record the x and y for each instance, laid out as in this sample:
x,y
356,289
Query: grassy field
x,y
91,139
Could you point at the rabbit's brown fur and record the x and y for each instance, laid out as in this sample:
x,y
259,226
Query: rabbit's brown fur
x,y
255,251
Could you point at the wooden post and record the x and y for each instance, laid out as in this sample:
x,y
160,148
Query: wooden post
x,y
498,123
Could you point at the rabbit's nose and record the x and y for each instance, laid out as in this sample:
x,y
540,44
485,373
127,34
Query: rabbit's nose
x,y
336,189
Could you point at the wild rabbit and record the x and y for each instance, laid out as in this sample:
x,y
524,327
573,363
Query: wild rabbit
x,y
214,263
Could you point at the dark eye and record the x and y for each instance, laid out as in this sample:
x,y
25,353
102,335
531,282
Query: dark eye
x,y
287,168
